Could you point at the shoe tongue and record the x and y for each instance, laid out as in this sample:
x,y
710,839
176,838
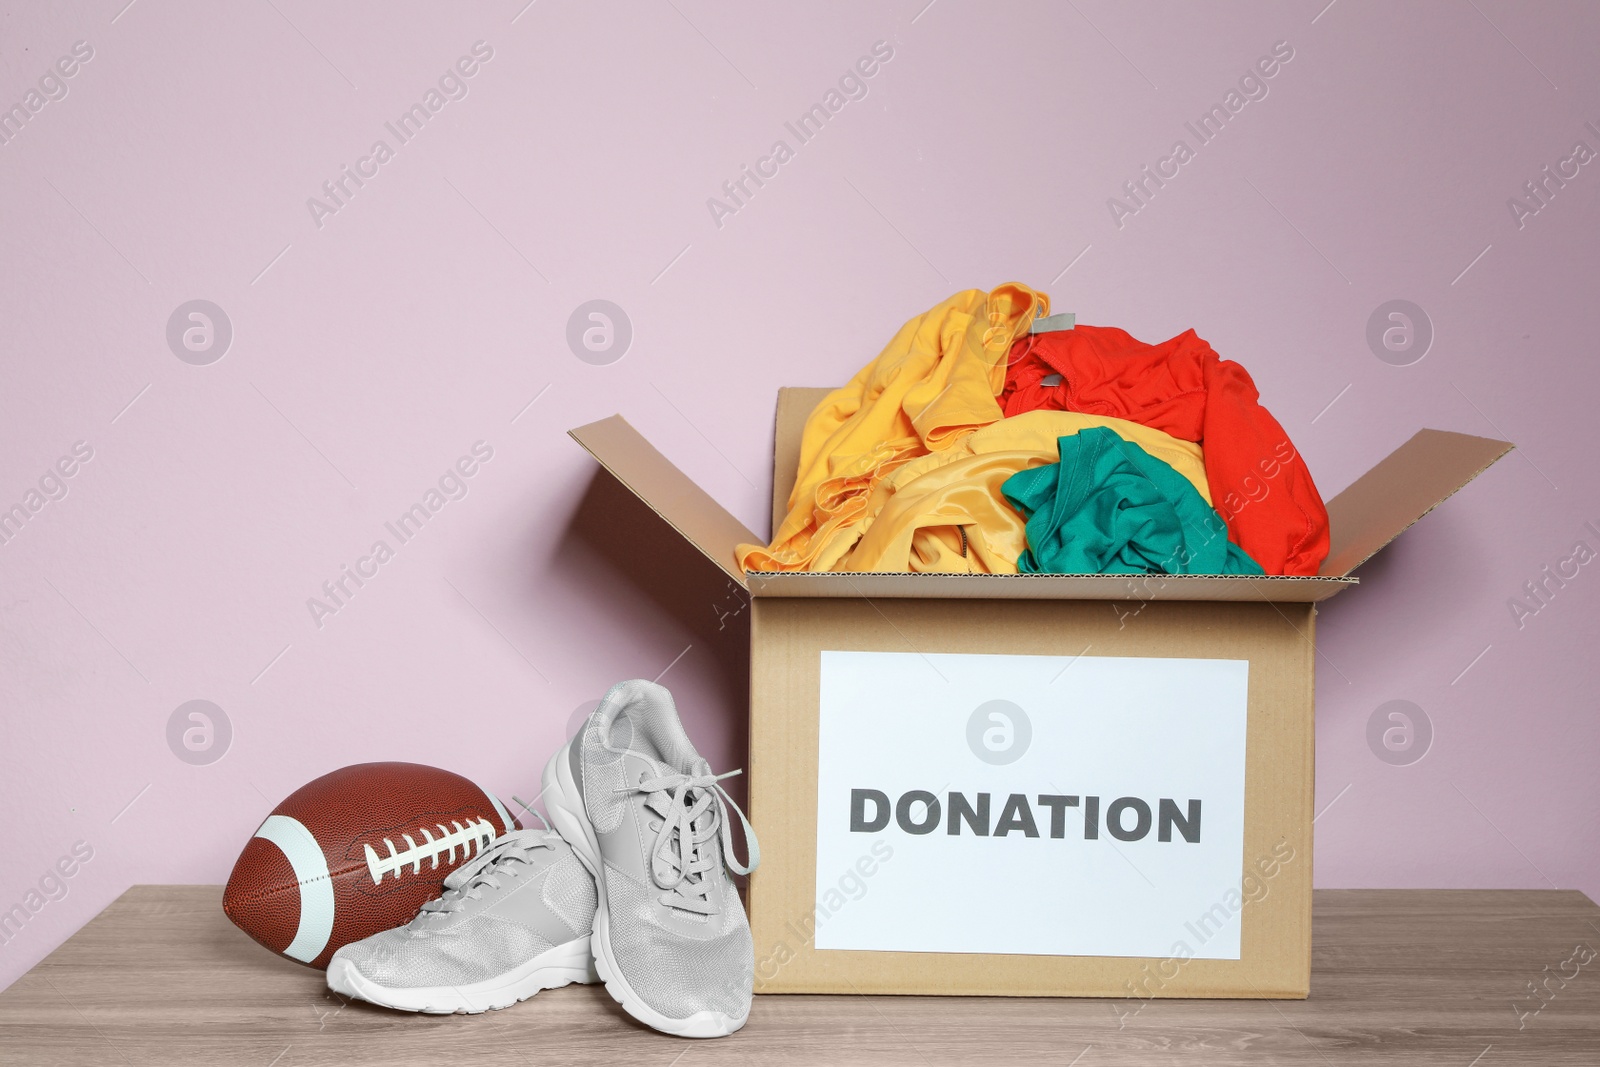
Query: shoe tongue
x,y
534,858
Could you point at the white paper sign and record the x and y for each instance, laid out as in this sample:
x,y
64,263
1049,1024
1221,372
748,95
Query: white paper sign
x,y
1042,805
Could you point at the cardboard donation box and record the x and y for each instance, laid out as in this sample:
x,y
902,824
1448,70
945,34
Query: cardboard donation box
x,y
1034,785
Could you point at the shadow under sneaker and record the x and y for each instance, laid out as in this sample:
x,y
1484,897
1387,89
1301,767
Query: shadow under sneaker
x,y
645,814
512,922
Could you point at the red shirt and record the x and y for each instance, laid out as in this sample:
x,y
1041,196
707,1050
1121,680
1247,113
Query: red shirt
x,y
1259,483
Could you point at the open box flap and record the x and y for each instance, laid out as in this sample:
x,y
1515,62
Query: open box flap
x,y
651,477
1413,480
1379,506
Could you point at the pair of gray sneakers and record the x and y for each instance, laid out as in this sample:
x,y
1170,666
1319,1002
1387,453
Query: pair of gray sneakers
x,y
633,889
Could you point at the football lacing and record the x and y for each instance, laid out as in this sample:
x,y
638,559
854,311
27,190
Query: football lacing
x,y
474,837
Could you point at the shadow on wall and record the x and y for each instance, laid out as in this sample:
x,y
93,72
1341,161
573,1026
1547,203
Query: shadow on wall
x,y
1376,571
1354,608
644,559
1430,558
1413,587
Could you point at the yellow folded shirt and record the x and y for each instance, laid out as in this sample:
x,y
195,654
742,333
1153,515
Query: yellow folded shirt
x,y
944,511
933,385
1037,431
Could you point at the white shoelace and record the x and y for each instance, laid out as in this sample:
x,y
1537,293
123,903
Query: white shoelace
x,y
502,859
694,813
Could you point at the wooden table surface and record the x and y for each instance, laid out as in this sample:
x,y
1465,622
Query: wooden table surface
x,y
1399,977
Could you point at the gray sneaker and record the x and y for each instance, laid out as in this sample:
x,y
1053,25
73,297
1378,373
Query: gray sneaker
x,y
510,923
646,815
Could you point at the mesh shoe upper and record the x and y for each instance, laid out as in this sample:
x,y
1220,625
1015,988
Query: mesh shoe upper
x,y
404,958
526,894
677,927
677,975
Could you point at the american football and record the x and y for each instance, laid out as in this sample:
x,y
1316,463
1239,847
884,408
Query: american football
x,y
355,852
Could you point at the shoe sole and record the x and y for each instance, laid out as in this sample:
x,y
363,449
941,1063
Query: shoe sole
x,y
564,801
562,965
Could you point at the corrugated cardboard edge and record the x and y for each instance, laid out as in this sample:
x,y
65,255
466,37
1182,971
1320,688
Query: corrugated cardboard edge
x,y
667,491
1406,485
1279,588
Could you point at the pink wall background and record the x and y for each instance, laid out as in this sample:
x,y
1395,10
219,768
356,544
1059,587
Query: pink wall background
x,y
430,310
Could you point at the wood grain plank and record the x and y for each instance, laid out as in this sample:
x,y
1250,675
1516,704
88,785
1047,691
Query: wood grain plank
x,y
1398,977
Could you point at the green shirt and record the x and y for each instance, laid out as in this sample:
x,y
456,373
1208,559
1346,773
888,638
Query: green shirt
x,y
1109,507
